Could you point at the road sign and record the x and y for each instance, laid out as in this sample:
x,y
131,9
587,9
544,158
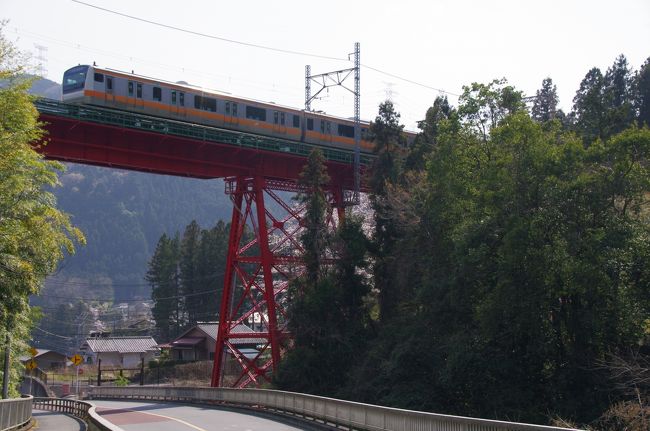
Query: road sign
x,y
77,360
31,365
33,351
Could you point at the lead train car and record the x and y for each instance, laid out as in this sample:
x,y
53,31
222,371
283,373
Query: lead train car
x,y
106,87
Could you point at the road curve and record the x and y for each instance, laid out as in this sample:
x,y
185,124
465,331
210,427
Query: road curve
x,y
158,416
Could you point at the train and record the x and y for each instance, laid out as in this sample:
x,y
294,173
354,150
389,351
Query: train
x,y
93,85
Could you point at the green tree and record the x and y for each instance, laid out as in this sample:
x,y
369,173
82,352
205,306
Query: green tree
x,y
210,270
545,103
164,277
642,94
314,239
191,283
34,235
589,107
618,96
429,130
387,135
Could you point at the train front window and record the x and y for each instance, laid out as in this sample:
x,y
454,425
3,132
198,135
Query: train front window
x,y
74,79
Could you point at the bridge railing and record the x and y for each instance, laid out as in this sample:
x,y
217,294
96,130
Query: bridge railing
x,y
338,413
15,412
134,120
80,409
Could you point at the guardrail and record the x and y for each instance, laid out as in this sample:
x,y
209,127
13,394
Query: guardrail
x,y
80,409
329,411
15,412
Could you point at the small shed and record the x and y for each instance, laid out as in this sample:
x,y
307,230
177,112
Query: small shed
x,y
122,352
47,360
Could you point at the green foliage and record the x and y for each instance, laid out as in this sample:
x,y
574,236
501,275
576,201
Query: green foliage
x,y
520,260
186,277
34,235
314,238
121,381
545,103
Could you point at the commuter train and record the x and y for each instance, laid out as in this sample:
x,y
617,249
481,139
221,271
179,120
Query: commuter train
x,y
179,101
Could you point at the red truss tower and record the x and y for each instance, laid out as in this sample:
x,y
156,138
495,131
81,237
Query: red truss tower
x,y
263,255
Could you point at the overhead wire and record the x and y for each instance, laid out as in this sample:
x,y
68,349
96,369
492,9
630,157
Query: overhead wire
x,y
210,36
258,46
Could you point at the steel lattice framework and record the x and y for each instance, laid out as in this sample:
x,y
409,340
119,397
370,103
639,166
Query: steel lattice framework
x,y
263,256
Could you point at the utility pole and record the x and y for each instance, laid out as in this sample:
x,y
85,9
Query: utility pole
x,y
5,377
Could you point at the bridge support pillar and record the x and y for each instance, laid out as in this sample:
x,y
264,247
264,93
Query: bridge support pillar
x,y
264,254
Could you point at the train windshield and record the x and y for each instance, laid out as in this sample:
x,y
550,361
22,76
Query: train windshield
x,y
74,79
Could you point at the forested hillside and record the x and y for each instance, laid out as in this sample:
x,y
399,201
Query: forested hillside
x,y
123,214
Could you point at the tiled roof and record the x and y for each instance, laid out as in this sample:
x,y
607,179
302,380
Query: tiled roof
x,y
211,330
121,344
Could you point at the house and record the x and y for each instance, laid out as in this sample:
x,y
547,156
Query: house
x,y
199,342
47,360
119,352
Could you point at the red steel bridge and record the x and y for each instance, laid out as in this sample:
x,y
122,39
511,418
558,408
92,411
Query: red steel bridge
x,y
264,247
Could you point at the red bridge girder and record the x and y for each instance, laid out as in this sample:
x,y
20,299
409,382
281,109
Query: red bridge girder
x,y
92,143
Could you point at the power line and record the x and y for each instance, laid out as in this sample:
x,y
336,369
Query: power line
x,y
254,45
210,36
409,80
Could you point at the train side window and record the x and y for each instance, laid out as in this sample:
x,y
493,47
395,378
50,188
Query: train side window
x,y
109,83
173,97
227,108
296,121
364,133
131,88
138,91
345,130
275,117
310,124
255,113
322,126
157,94
197,102
99,77
234,109
209,104
181,99
282,118
328,126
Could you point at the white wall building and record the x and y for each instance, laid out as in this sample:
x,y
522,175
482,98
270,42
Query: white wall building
x,y
119,352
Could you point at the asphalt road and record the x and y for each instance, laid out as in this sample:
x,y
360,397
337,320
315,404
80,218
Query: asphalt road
x,y
149,416
54,421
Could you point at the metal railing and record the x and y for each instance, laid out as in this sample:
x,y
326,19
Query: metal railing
x,y
80,409
333,412
15,412
132,120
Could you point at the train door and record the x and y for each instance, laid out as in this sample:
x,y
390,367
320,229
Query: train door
x,y
134,93
231,117
177,104
326,131
109,96
279,123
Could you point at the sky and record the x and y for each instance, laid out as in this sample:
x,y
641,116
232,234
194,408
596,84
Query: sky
x,y
437,45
